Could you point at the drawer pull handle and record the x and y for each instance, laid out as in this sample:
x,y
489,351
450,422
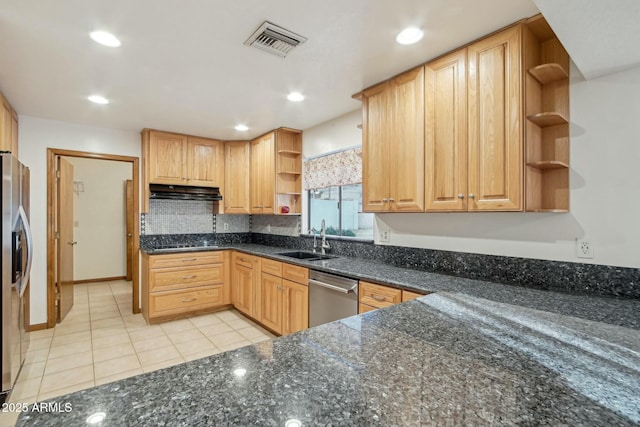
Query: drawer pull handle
x,y
189,259
189,300
190,277
243,259
378,298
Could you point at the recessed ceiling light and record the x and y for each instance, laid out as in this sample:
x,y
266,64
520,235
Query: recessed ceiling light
x,y
409,35
104,38
98,99
242,128
295,97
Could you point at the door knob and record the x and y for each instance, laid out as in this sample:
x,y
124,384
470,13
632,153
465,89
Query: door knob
x,y
384,200
391,199
72,243
129,235
471,196
460,196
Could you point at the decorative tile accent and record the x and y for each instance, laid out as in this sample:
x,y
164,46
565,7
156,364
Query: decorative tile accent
x,y
179,217
276,224
235,223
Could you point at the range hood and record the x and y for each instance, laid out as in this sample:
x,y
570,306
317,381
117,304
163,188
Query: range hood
x,y
184,192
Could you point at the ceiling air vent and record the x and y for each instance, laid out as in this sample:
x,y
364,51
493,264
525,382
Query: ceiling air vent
x,y
274,39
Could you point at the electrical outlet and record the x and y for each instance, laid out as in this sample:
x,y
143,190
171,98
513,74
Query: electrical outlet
x,y
584,248
225,226
385,235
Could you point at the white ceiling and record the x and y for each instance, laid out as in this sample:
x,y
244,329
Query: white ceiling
x,y
183,65
601,36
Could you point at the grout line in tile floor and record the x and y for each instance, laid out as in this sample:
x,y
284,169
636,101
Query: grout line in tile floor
x,y
101,341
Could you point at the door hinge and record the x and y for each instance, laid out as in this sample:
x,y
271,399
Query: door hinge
x,y
56,296
56,235
57,174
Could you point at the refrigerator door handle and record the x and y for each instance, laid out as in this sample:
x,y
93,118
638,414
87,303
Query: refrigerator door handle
x,y
27,232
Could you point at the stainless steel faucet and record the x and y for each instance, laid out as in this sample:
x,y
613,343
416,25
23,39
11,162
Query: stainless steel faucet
x,y
323,233
313,230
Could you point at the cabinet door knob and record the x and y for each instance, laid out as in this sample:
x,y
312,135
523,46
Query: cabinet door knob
x,y
471,196
460,196
384,200
391,199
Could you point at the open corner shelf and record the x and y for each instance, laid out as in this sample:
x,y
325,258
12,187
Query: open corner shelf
x,y
548,73
548,119
548,164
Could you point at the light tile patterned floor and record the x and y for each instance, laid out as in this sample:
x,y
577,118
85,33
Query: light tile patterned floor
x,y
101,341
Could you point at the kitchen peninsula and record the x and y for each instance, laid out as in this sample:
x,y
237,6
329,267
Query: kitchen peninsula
x,y
510,356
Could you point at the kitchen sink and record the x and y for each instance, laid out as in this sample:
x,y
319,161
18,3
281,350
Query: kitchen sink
x,y
308,256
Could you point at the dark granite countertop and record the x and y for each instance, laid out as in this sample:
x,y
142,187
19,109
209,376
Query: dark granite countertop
x,y
612,310
443,359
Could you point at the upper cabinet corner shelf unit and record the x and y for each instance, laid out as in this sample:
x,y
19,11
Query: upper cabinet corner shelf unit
x,y
548,73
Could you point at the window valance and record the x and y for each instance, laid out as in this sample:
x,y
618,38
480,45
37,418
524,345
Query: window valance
x,y
338,168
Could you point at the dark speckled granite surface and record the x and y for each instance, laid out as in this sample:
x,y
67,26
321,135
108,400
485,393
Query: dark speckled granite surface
x,y
444,359
614,310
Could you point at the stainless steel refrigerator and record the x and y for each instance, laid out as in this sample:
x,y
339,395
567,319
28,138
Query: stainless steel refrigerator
x,y
17,254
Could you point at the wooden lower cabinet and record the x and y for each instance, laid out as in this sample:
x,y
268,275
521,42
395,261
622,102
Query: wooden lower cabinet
x,y
372,296
295,307
272,295
245,292
284,297
179,285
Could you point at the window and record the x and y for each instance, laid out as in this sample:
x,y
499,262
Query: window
x,y
341,208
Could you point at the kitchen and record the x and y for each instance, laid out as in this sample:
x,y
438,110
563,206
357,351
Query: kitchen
x,y
602,151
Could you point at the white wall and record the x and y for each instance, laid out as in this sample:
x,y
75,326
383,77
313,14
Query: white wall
x,y
36,135
99,218
605,207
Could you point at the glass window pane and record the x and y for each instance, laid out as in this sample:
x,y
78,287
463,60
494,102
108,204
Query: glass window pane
x,y
323,204
354,222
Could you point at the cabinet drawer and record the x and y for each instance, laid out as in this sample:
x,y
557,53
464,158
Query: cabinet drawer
x,y
379,296
363,308
186,259
173,278
272,267
171,302
295,273
243,259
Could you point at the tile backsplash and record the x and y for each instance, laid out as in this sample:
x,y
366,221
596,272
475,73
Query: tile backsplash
x,y
276,224
197,217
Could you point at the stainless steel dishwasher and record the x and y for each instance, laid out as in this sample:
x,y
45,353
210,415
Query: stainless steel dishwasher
x,y
331,297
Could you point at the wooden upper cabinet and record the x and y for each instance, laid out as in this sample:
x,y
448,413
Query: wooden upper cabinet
x,y
167,158
446,133
375,148
393,145
236,186
262,174
184,160
407,147
495,122
205,162
8,128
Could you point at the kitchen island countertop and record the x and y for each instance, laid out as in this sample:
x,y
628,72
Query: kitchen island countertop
x,y
443,359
